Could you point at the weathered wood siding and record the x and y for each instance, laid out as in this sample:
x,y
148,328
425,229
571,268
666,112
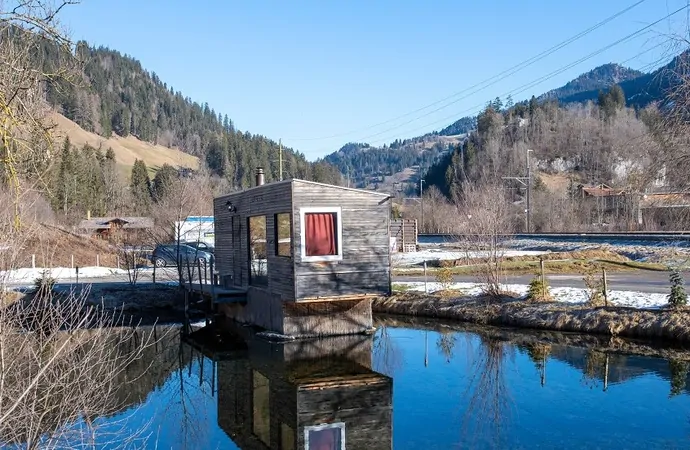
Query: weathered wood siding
x,y
365,266
366,409
232,252
327,318
322,385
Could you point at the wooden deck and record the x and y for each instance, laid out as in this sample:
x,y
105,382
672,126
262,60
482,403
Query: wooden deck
x,y
218,294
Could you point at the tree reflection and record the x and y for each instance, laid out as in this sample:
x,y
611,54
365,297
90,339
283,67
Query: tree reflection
x,y
488,403
387,355
679,375
446,343
538,353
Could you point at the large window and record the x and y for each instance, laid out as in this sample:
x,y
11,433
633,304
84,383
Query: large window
x,y
321,234
283,226
258,273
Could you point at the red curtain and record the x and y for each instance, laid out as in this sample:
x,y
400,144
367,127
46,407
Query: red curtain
x,y
320,236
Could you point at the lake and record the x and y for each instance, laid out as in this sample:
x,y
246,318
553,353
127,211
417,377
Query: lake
x,y
410,386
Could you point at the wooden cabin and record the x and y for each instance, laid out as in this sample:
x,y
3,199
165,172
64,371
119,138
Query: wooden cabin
x,y
300,394
310,256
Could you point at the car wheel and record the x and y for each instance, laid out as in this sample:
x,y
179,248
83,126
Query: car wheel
x,y
159,262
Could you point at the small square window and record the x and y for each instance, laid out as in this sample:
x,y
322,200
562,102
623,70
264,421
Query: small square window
x,y
321,234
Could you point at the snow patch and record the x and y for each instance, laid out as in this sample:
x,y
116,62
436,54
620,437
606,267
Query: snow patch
x,y
632,299
59,273
417,258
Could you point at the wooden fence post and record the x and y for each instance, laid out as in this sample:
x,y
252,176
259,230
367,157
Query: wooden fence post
x,y
426,291
72,262
606,287
33,261
98,260
543,277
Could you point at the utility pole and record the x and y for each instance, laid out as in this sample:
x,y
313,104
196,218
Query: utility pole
x,y
529,193
280,159
421,200
527,182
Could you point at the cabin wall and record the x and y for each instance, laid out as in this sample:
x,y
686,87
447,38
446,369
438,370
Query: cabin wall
x,y
324,318
232,258
365,266
365,408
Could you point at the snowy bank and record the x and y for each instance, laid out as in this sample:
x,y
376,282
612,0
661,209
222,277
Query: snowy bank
x,y
566,295
658,323
28,275
417,258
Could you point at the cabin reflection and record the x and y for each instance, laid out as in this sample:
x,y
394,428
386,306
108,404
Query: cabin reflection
x,y
319,394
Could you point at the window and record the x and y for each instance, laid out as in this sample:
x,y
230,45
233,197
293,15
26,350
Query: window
x,y
321,236
283,227
330,436
258,273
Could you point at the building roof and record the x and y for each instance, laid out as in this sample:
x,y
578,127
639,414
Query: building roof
x,y
666,200
297,180
97,223
601,190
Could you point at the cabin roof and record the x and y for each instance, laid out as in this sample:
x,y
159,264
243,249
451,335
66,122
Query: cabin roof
x,y
96,223
297,180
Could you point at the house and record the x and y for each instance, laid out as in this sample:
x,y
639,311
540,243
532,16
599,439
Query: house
x,y
310,256
132,228
297,395
195,229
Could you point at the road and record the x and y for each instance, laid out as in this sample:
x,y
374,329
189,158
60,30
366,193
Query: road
x,y
648,281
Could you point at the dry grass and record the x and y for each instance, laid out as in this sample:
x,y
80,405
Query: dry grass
x,y
532,267
507,311
54,247
126,149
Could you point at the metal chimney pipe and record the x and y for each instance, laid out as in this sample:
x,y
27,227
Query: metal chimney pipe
x,y
259,176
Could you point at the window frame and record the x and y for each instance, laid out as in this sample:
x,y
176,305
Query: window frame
x,y
276,247
338,211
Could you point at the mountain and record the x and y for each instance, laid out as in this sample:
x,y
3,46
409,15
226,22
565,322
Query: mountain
x,y
363,162
599,78
120,99
366,166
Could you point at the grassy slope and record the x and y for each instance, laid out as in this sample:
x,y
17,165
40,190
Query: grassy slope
x,y
126,149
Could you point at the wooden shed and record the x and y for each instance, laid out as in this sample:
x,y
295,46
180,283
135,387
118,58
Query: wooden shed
x,y
299,394
304,252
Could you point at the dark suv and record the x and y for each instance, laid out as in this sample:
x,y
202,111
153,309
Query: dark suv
x,y
203,246
166,255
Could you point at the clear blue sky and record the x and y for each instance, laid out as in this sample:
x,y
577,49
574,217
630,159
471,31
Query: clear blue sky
x,y
304,70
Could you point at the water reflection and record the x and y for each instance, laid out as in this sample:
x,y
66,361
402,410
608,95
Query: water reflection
x,y
456,386
313,394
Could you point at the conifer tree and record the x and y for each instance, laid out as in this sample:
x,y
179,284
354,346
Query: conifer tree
x,y
140,186
678,296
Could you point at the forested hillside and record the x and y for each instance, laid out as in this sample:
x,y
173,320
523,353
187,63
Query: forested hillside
x,y
119,96
362,161
364,164
602,142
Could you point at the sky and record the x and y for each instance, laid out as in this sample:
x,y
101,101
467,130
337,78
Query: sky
x,y
319,74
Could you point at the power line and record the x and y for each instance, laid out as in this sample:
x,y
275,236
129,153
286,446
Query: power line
x,y
531,84
491,81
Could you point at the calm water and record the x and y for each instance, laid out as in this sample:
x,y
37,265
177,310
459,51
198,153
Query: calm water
x,y
450,389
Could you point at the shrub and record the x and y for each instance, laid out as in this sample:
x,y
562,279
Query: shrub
x,y
594,285
539,290
678,297
44,284
444,277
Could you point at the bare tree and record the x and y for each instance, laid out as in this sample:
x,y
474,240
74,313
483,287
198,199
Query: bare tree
x,y
60,366
488,219
25,138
